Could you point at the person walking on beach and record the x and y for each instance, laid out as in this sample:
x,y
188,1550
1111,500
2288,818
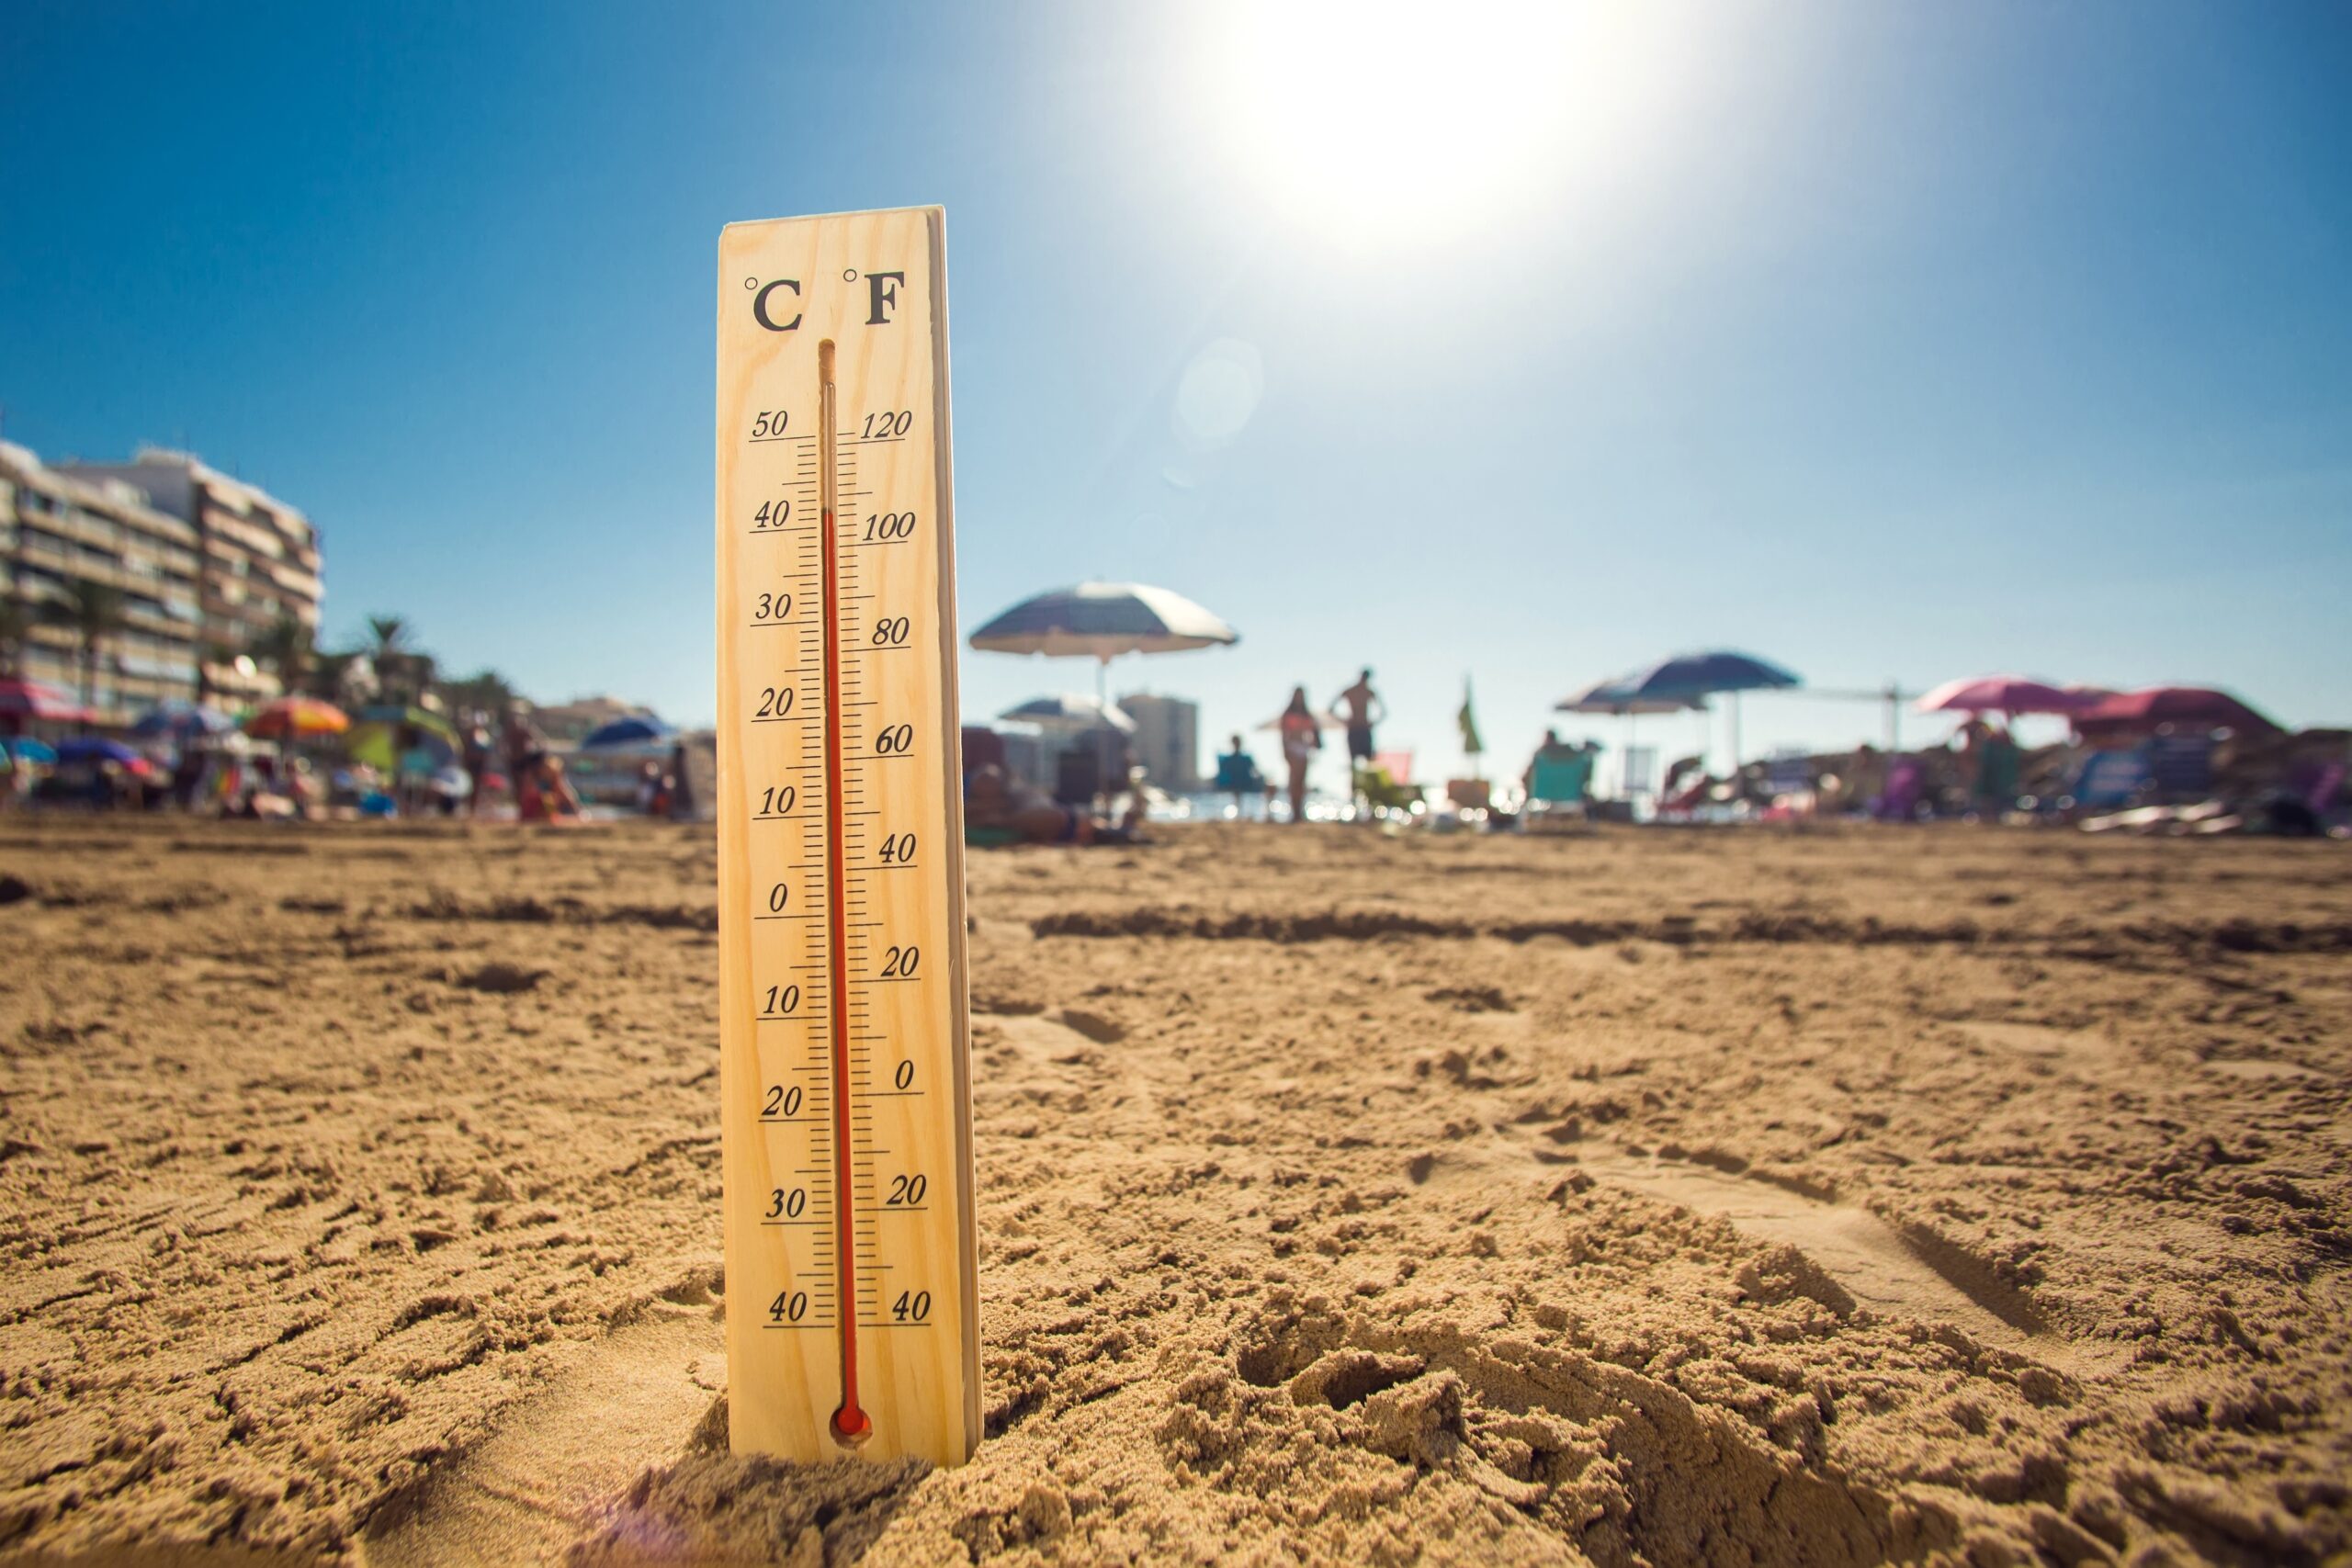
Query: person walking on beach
x,y
1302,735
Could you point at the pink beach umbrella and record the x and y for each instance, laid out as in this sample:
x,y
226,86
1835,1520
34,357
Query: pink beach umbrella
x,y
2188,707
22,699
2009,694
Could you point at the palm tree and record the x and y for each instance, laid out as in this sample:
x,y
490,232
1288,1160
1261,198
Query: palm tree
x,y
93,612
485,691
329,675
403,670
287,647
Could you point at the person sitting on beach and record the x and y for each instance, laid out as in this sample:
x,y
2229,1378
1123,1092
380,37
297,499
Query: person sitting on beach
x,y
1554,750
1237,773
545,795
996,803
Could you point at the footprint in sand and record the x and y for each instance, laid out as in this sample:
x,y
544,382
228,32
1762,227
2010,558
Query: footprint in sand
x,y
555,1459
1892,1273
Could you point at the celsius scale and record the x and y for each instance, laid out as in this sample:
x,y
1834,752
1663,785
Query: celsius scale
x,y
844,1050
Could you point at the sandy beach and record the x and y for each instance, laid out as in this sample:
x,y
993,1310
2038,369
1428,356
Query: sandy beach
x,y
1838,1197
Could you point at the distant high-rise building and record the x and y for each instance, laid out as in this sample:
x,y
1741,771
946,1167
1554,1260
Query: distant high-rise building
x,y
1167,740
258,558
58,531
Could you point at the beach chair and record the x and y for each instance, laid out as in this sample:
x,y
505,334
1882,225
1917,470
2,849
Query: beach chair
x,y
2111,780
1470,795
1385,784
1557,790
2181,766
1238,777
2323,790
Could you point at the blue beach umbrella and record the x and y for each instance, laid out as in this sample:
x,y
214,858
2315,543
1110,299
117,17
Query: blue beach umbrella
x,y
182,720
27,749
628,735
1608,697
1724,671
92,748
1703,674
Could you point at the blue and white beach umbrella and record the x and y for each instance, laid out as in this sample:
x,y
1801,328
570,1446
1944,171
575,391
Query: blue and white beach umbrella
x,y
1100,621
1068,712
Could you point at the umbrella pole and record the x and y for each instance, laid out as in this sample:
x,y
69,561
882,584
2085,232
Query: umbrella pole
x,y
1735,735
1102,732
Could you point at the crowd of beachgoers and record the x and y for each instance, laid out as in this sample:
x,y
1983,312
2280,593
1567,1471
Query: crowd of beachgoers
x,y
2173,760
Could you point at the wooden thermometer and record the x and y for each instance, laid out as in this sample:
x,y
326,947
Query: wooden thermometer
x,y
852,1324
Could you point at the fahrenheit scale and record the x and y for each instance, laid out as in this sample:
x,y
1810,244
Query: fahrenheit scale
x,y
852,1324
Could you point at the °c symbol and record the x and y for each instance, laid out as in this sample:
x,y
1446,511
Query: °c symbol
x,y
849,275
751,283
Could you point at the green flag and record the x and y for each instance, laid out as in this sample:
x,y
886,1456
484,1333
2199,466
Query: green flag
x,y
1471,745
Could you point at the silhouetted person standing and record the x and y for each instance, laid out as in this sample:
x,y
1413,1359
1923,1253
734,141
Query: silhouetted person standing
x,y
1359,708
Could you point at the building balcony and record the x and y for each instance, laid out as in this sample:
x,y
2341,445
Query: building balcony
x,y
227,526
294,581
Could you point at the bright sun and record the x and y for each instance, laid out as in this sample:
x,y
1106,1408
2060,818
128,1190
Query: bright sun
x,y
1383,116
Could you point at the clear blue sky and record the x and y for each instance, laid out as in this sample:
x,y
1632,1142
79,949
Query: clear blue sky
x,y
1885,341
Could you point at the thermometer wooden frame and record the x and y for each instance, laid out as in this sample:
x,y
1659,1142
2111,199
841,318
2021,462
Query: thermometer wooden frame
x,y
845,1039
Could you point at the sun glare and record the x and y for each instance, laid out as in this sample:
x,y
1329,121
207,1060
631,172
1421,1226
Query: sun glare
x,y
1378,118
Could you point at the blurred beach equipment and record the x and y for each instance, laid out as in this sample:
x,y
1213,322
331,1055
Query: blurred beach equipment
x,y
297,718
1066,712
27,749
20,698
181,720
2010,694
